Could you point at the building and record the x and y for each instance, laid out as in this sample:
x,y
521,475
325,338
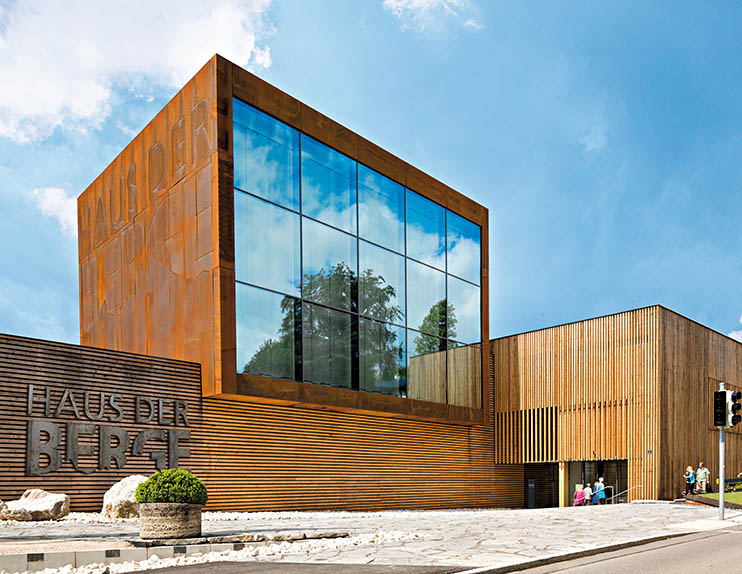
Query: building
x,y
301,318
625,396
334,295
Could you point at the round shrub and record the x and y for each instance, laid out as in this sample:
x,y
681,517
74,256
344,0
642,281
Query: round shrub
x,y
172,485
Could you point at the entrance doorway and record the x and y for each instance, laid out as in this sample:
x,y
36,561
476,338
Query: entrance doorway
x,y
614,473
542,485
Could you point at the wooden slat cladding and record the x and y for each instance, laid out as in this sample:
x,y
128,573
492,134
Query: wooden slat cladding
x,y
528,436
694,360
599,379
280,458
59,366
251,456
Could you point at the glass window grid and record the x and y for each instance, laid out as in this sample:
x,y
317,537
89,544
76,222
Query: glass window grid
x,y
356,314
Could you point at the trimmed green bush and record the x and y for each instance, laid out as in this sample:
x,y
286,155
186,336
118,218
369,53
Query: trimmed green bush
x,y
173,485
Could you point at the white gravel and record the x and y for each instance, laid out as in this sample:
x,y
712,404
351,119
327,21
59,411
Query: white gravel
x,y
248,554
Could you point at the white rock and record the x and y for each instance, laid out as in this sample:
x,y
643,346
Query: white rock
x,y
37,504
120,500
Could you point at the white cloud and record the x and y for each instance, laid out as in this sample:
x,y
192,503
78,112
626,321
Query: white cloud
x,y
420,13
473,24
737,334
54,202
60,61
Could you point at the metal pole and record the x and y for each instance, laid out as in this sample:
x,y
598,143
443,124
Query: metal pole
x,y
722,387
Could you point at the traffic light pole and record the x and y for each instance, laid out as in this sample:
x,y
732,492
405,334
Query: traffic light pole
x,y
722,387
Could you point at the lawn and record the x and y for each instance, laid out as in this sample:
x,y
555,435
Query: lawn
x,y
733,497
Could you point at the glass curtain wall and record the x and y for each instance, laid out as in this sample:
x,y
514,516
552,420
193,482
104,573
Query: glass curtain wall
x,y
346,278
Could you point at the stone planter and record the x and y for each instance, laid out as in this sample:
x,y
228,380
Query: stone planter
x,y
169,520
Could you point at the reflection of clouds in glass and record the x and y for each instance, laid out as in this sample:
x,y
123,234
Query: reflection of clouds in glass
x,y
266,156
266,244
328,185
424,246
464,248
426,227
464,259
380,263
426,287
381,209
464,302
331,211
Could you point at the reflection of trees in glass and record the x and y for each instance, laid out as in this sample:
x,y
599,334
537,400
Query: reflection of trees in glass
x,y
441,321
276,357
330,337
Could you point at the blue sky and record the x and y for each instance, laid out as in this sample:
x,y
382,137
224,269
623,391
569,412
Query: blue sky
x,y
602,136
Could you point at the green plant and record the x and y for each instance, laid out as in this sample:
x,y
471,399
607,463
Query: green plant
x,y
172,485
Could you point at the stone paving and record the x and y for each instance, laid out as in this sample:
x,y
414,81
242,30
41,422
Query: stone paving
x,y
441,538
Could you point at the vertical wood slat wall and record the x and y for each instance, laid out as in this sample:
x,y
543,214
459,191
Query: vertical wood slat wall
x,y
599,378
694,360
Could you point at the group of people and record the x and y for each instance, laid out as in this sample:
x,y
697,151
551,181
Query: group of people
x,y
696,482
587,495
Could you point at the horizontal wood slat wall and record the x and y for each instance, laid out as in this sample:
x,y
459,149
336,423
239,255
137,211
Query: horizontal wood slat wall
x,y
601,375
254,456
60,366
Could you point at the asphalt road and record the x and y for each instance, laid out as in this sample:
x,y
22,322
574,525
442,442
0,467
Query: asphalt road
x,y
718,551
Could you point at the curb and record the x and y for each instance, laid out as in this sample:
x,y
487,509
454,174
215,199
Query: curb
x,y
35,561
570,556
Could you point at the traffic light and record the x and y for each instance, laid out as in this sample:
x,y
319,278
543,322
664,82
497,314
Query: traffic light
x,y
720,408
733,408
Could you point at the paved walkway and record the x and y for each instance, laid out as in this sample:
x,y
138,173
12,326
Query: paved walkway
x,y
433,538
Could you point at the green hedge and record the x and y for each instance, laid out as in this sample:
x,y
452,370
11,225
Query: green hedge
x,y
172,485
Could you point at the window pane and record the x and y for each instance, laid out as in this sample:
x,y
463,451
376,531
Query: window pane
x,y
266,333
381,284
426,299
329,266
426,229
328,185
463,239
380,209
266,156
327,358
266,244
383,358
465,375
464,311
427,367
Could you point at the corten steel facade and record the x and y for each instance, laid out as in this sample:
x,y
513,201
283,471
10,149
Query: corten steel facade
x,y
320,283
626,393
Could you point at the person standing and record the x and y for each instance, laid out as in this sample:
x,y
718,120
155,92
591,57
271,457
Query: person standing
x,y
579,496
702,475
588,494
600,490
690,480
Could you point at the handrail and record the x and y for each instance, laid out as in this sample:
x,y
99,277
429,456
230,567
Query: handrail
x,y
625,491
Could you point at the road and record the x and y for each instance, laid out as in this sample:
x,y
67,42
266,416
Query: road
x,y
716,551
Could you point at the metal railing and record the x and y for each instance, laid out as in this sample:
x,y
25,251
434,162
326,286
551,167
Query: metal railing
x,y
609,500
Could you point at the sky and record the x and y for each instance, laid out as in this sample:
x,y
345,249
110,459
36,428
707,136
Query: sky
x,y
603,137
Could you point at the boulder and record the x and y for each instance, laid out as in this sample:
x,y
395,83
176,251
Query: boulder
x,y
36,504
120,500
